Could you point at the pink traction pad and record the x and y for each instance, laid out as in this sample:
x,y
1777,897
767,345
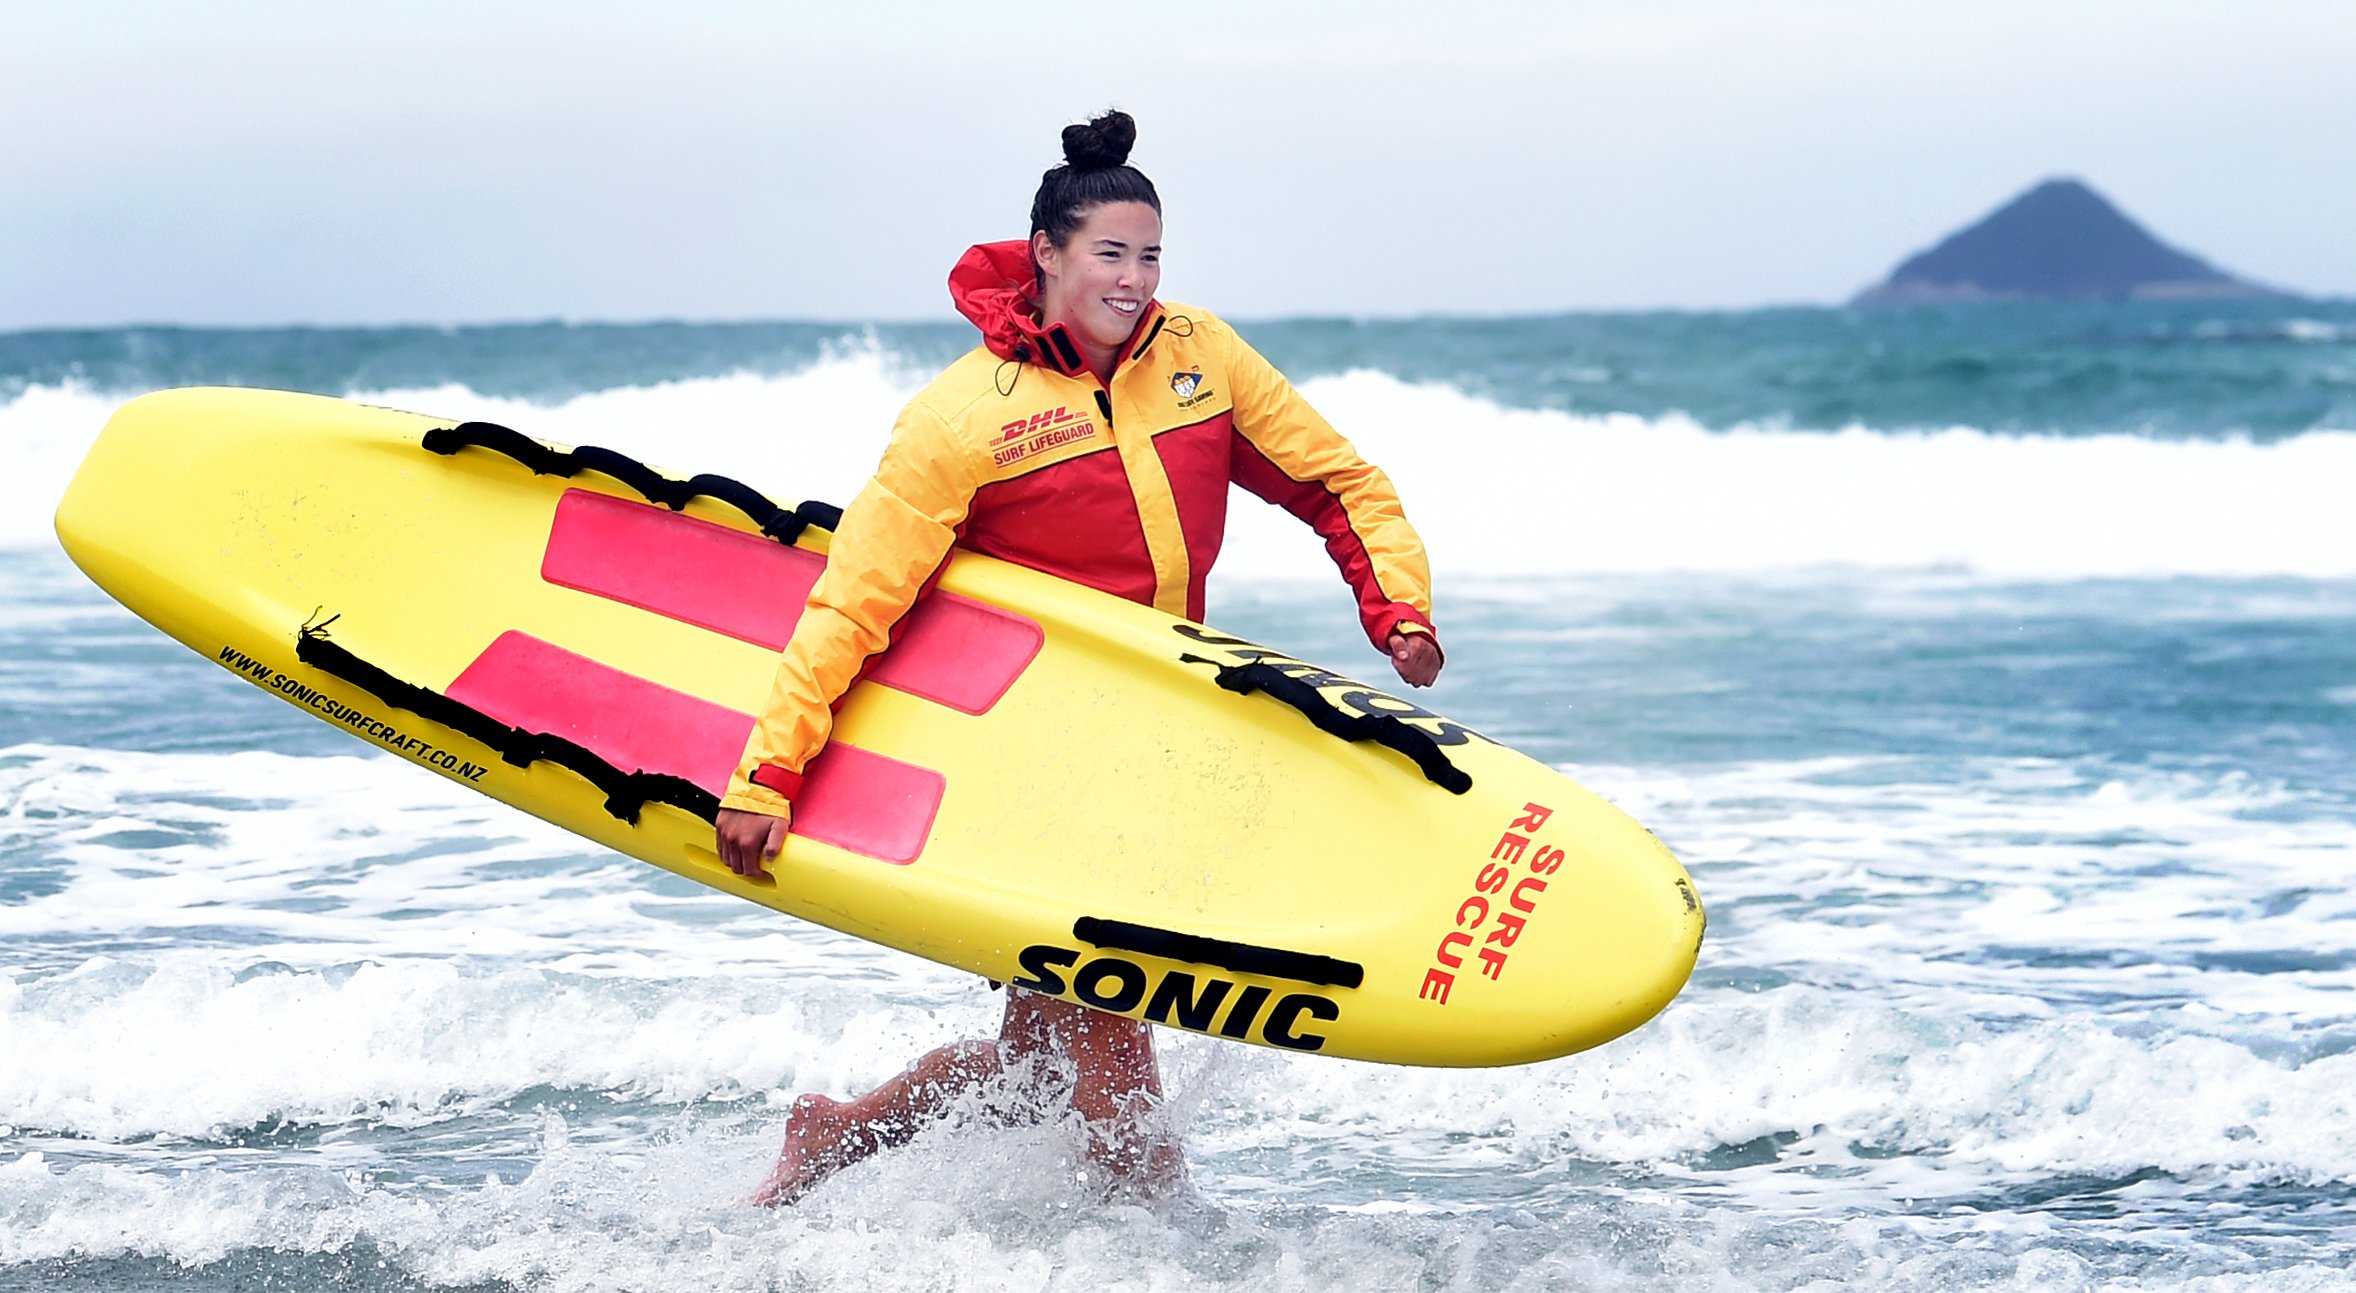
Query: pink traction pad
x,y
853,799
951,650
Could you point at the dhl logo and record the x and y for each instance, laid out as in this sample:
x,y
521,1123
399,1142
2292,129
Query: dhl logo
x,y
1060,415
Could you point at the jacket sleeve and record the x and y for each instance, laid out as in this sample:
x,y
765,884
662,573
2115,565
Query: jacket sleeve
x,y
1287,453
892,540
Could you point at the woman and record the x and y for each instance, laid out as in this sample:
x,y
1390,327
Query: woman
x,y
1092,435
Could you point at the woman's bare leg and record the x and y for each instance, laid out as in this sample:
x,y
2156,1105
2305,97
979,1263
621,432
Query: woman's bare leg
x,y
1117,1085
1116,1088
825,1136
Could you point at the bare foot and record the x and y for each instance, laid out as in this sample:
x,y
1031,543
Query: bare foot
x,y
817,1135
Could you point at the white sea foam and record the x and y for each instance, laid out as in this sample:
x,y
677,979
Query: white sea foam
x,y
324,940
1902,1127
1531,491
2315,331
327,1006
582,1222
2010,887
1504,491
186,1047
320,860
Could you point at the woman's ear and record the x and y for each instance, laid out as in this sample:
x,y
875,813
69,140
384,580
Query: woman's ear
x,y
1044,253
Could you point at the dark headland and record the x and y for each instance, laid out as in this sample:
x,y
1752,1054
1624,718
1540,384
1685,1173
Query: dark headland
x,y
2060,241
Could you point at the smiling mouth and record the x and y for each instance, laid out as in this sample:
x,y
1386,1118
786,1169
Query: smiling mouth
x,y
1123,307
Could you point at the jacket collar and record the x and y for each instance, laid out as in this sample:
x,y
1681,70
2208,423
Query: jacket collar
x,y
995,286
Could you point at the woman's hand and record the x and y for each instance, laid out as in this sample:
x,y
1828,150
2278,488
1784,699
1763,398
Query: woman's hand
x,y
1416,657
747,840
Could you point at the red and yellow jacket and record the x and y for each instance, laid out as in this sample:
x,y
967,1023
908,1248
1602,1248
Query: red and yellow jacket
x,y
1018,451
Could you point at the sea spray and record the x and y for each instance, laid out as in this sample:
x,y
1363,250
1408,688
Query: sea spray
x,y
1505,491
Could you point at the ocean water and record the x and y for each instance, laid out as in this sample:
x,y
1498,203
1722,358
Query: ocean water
x,y
1994,673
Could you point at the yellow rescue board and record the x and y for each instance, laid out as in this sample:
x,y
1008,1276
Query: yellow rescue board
x,y
1040,783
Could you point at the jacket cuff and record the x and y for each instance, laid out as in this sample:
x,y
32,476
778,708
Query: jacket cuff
x,y
746,797
1399,617
778,778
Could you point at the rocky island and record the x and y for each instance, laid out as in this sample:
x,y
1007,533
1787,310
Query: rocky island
x,y
2060,241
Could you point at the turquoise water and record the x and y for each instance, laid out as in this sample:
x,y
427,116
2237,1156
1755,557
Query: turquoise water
x,y
2262,369
2013,760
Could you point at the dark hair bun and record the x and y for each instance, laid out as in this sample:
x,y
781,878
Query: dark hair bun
x,y
1094,171
1101,144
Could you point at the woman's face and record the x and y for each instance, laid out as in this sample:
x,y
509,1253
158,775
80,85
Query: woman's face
x,y
1098,283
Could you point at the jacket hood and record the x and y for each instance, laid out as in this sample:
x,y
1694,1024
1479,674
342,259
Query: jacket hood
x,y
995,286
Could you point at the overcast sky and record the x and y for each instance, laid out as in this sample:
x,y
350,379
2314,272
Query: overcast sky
x,y
457,162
